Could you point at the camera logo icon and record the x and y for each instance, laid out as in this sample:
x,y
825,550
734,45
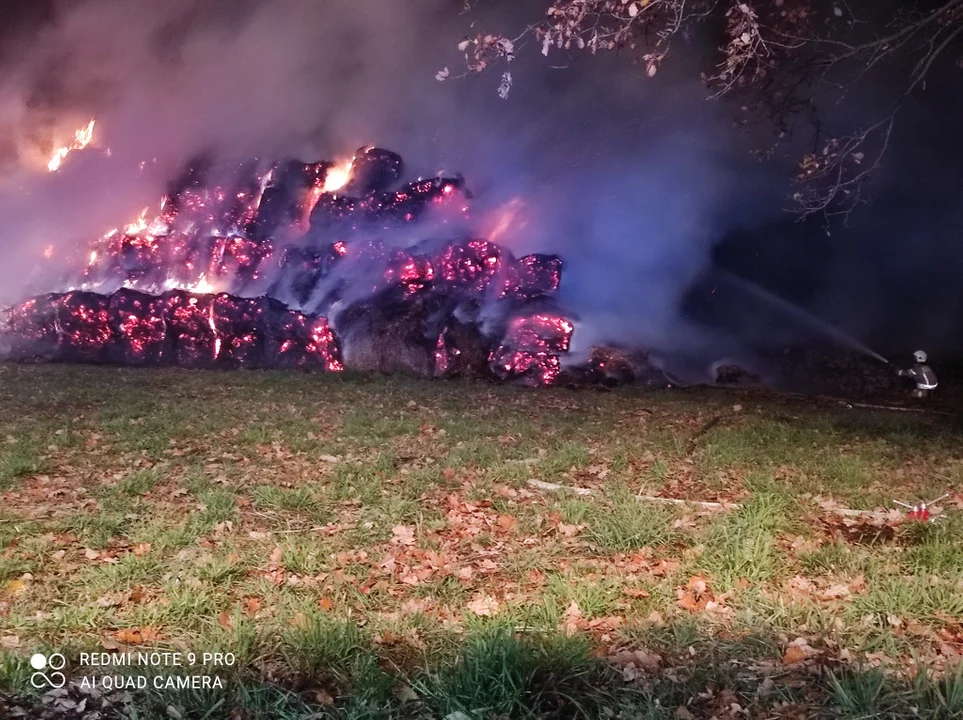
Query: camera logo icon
x,y
54,662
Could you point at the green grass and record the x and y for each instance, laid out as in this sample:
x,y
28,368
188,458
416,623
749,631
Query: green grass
x,y
371,547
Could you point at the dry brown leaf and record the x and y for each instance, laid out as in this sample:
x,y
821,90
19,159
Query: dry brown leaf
x,y
224,620
251,606
655,617
484,605
636,592
465,573
697,585
325,603
141,549
403,535
835,592
794,654
111,600
569,530
135,636
687,601
506,523
572,619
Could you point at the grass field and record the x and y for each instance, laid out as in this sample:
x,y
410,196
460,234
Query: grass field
x,y
372,547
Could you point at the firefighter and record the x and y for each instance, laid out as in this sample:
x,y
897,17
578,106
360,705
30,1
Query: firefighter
x,y
922,374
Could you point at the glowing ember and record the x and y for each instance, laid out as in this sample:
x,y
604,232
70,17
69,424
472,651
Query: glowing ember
x,y
82,139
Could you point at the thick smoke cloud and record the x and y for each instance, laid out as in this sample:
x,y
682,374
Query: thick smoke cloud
x,y
631,180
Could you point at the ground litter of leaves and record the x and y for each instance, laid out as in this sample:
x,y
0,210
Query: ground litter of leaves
x,y
356,542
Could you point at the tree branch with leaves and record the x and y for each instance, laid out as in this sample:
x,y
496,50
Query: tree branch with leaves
x,y
773,56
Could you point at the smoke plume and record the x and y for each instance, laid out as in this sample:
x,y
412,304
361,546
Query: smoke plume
x,y
631,180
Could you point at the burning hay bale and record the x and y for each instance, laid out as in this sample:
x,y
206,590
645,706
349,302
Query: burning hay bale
x,y
84,323
190,320
313,234
469,267
138,327
612,366
533,276
31,331
409,272
177,328
461,350
238,260
529,353
374,170
296,340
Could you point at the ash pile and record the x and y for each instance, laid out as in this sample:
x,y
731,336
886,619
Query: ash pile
x,y
302,265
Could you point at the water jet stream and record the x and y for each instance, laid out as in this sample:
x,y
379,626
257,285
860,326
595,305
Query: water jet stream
x,y
799,314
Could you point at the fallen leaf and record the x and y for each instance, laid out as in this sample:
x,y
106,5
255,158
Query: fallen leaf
x,y
9,641
110,600
794,654
135,636
836,592
325,604
636,592
91,554
251,606
697,585
141,549
224,620
484,605
506,523
569,530
573,618
403,535
655,617
681,713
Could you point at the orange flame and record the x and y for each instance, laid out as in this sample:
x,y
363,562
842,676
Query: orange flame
x,y
337,177
82,138
139,225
